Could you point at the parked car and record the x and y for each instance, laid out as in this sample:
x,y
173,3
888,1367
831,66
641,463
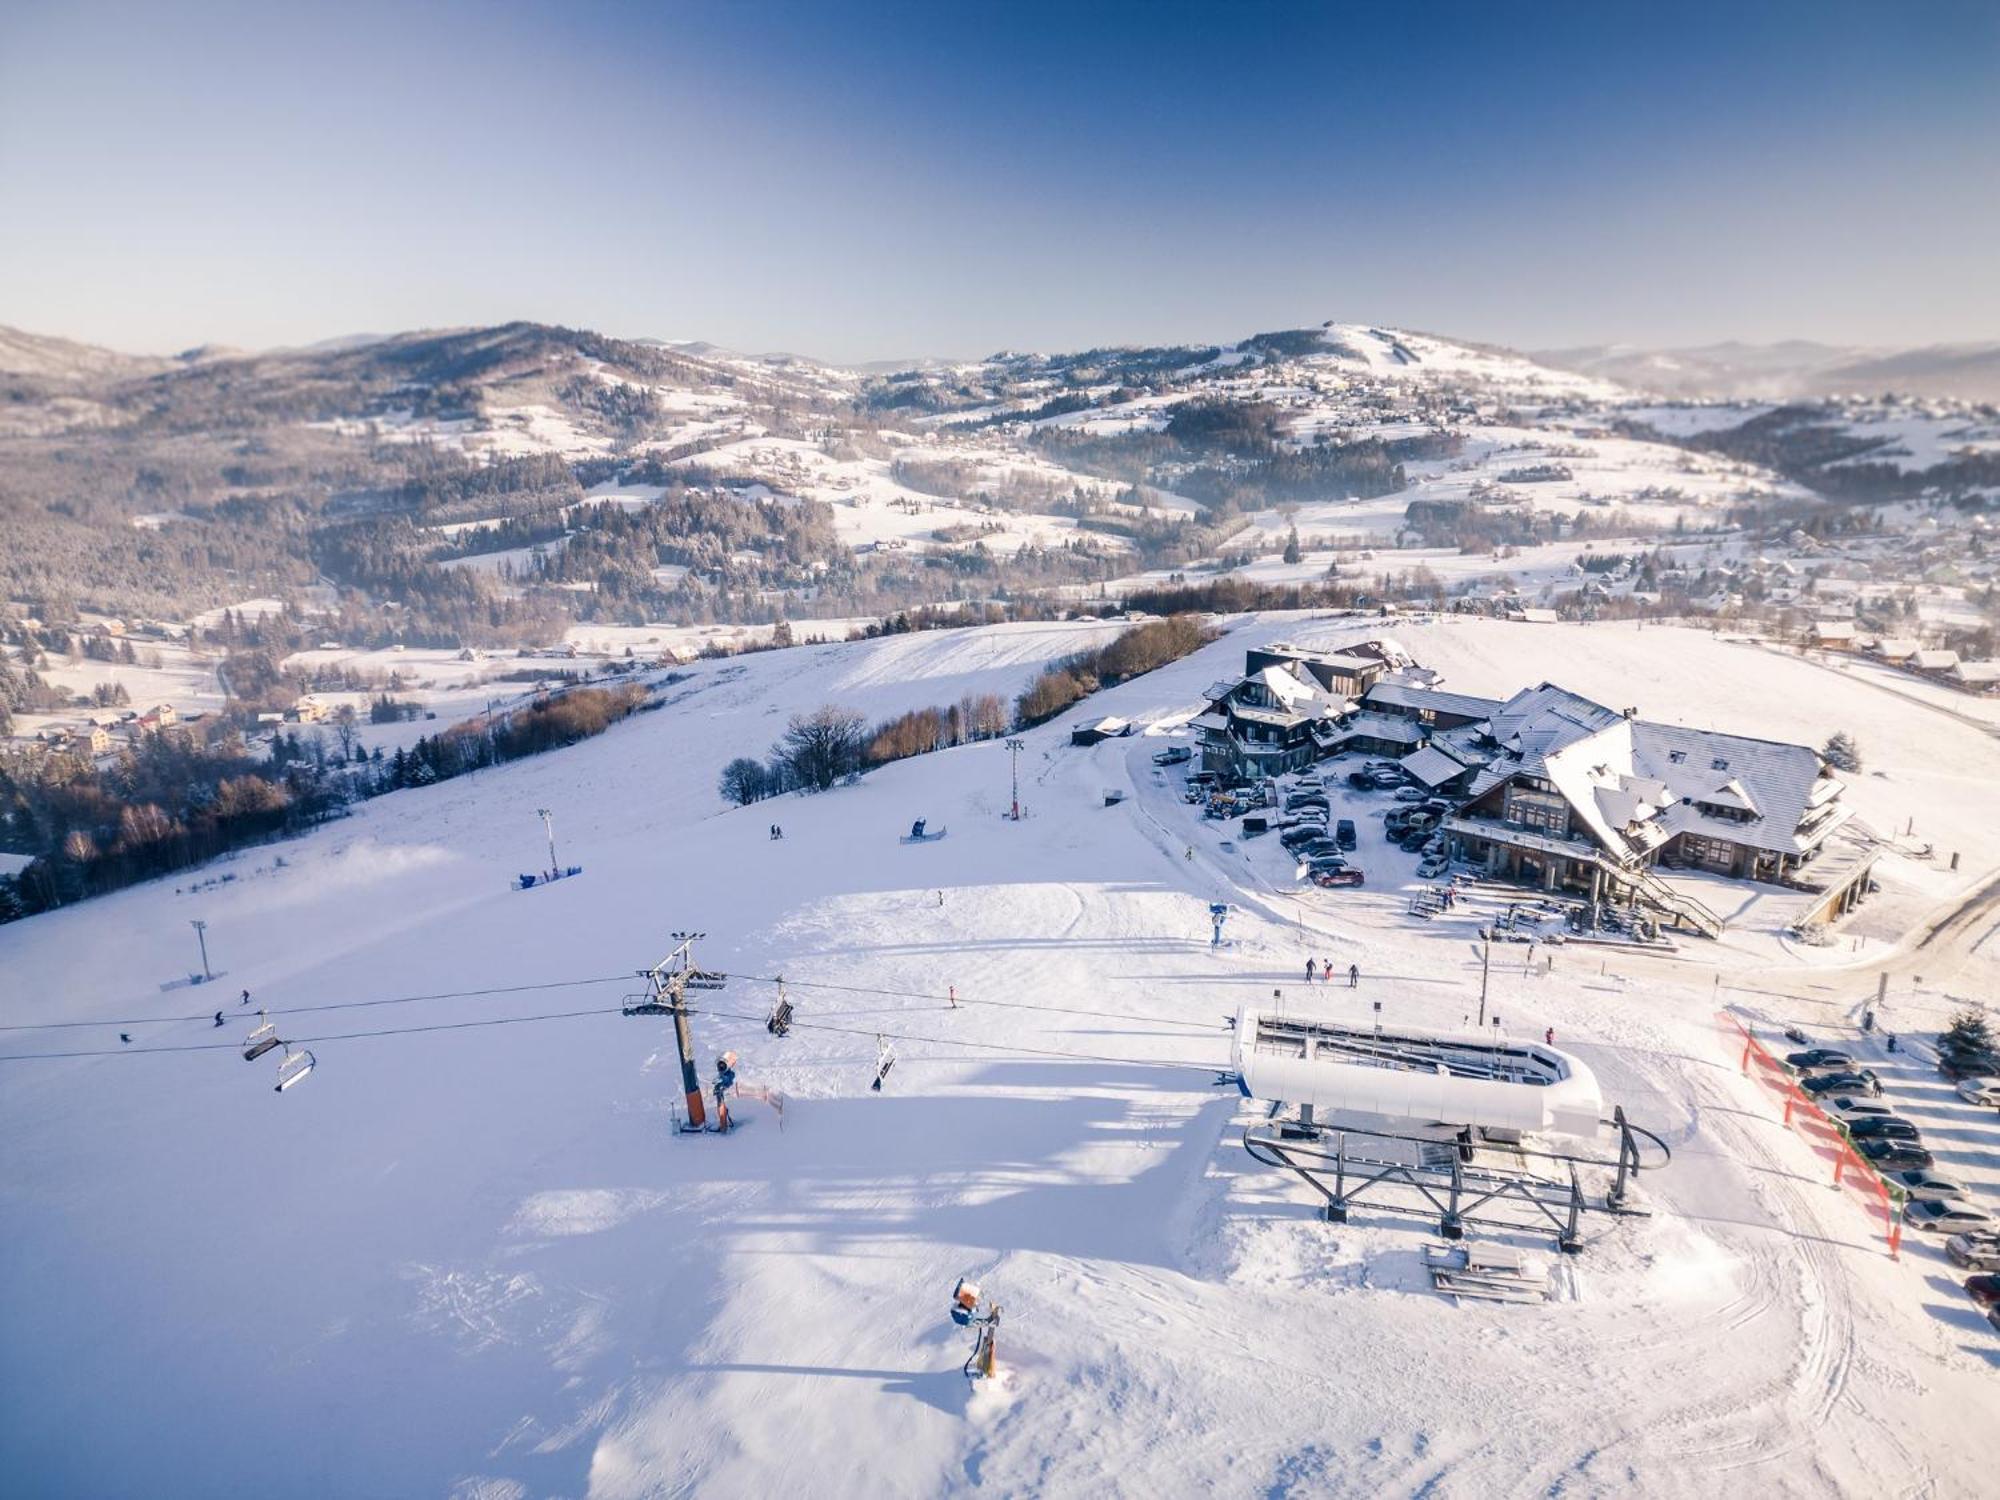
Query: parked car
x,y
1975,1252
1294,838
1895,1156
1361,781
1172,756
1947,1216
1833,1085
1960,1066
1414,840
1321,863
1851,1109
1434,865
1818,1057
1343,833
1984,1290
1410,794
1980,1091
1318,848
1330,878
1383,781
1884,1128
1926,1185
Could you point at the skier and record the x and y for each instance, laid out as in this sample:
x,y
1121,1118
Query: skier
x,y
1868,1020
125,1036
1189,856
218,1018
246,997
1312,971
1892,1041
940,895
1354,976
1549,1036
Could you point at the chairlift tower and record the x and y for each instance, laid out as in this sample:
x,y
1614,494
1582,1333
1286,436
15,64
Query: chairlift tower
x,y
1014,749
201,936
666,995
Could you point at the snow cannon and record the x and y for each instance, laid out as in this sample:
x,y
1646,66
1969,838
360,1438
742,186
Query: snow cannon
x,y
964,1301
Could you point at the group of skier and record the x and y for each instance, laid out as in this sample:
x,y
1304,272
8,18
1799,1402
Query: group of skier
x,y
1320,971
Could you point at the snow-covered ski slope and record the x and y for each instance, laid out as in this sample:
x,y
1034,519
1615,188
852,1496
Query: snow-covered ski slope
x,y
475,1262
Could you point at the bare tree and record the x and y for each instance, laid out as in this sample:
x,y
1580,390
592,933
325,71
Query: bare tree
x,y
744,781
821,747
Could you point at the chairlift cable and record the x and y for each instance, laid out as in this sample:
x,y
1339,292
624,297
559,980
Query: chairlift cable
x,y
292,1010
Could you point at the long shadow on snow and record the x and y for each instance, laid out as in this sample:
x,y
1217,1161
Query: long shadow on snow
x,y
985,1171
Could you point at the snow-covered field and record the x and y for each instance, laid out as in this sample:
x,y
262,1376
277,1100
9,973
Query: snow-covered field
x,y
474,1261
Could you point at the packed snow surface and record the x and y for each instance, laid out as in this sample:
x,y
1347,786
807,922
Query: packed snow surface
x,y
478,1262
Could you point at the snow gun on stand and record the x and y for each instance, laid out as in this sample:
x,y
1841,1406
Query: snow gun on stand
x,y
965,1312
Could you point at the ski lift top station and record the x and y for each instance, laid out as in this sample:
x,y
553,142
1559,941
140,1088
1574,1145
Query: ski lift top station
x,y
1429,1078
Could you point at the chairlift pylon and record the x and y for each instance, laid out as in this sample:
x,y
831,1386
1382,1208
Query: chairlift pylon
x,y
293,1067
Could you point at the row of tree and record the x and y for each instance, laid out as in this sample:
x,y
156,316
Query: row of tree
x,y
831,744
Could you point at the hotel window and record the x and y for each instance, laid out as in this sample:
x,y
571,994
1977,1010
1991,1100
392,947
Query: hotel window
x,y
1539,811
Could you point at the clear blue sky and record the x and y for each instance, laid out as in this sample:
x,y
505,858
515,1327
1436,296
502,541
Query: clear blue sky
x,y
863,182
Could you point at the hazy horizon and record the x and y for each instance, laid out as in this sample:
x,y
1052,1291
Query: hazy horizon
x,y
898,182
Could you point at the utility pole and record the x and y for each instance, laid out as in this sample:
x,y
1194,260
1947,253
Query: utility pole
x,y
549,827
201,936
1485,968
1015,747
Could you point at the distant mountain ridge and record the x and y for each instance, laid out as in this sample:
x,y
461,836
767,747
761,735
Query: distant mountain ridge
x,y
1791,370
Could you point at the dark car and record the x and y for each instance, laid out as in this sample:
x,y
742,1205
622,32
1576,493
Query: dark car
x,y
1956,1065
1331,878
1343,833
1818,1057
1292,838
1894,1156
1360,781
1983,1289
1414,840
1884,1128
1833,1085
1322,862
1318,848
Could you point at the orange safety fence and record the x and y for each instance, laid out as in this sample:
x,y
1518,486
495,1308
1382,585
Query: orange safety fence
x,y
1851,1172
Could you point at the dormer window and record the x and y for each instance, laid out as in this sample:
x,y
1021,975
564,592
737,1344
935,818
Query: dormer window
x,y
1718,764
1677,756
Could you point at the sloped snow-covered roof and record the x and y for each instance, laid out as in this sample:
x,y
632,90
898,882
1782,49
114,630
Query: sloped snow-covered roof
x,y
1632,782
1407,695
1776,783
1431,766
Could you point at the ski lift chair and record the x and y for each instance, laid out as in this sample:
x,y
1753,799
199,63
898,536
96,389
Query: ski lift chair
x,y
261,1040
293,1067
885,1059
781,1016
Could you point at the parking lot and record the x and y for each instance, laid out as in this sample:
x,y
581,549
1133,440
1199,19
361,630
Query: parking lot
x,y
1960,1138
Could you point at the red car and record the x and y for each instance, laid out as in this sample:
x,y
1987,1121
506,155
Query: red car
x,y
1330,878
